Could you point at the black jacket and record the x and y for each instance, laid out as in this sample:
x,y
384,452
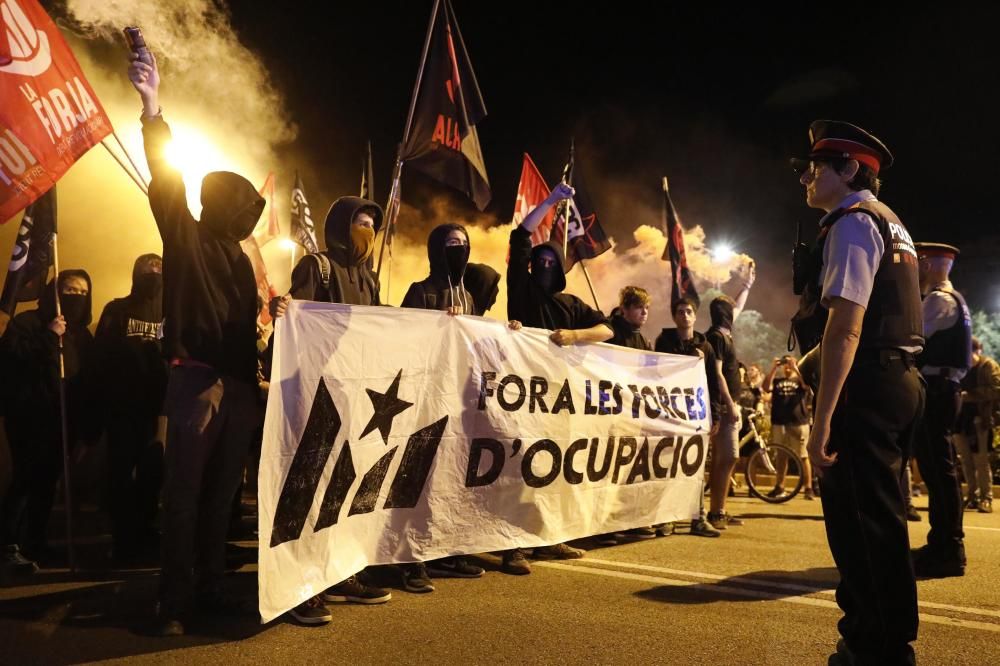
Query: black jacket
x,y
348,284
627,335
668,342
532,305
483,283
132,383
209,290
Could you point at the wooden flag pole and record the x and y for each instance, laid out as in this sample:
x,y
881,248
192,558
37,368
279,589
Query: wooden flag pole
x,y
590,284
138,183
67,483
128,156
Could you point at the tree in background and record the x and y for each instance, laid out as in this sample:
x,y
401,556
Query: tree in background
x,y
757,340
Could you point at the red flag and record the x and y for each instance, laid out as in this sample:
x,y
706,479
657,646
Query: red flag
x,y
531,191
264,288
267,228
50,115
682,286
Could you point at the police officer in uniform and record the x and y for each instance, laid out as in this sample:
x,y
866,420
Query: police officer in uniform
x,y
946,359
870,396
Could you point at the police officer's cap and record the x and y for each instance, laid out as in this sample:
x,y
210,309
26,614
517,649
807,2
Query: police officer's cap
x,y
835,139
936,250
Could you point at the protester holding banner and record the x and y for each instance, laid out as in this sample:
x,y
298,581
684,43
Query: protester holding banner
x,y
342,274
627,319
209,298
444,289
686,341
132,387
30,358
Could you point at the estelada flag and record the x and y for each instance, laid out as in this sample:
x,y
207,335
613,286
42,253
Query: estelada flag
x,y
443,142
577,214
682,286
531,191
31,260
49,115
267,228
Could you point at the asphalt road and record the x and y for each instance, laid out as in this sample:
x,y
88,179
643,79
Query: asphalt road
x,y
761,594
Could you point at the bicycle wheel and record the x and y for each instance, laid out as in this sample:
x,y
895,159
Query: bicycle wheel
x,y
774,474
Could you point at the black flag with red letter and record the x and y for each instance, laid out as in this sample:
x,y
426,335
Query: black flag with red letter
x,y
443,142
682,284
32,257
586,235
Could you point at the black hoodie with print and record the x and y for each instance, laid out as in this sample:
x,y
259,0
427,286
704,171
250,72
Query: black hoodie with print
x,y
349,283
532,304
29,355
133,378
209,290
444,287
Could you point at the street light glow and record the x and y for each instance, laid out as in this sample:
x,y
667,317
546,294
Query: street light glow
x,y
722,252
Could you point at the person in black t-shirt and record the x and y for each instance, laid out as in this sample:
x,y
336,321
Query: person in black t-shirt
x,y
790,400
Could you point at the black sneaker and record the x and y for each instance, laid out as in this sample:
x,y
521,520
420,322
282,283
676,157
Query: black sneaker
x,y
609,539
986,505
664,529
515,563
927,564
311,612
415,578
777,491
16,564
912,515
559,551
641,533
971,504
454,567
703,528
353,591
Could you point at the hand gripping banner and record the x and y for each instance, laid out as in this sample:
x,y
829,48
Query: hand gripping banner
x,y
458,437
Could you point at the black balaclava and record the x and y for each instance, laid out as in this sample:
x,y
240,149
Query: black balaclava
x,y
147,285
721,311
230,205
552,280
76,308
456,258
545,276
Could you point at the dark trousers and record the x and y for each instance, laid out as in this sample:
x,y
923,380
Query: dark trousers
x,y
36,467
135,477
872,432
936,457
210,419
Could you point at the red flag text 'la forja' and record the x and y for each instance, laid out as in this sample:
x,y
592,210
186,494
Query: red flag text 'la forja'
x,y
49,116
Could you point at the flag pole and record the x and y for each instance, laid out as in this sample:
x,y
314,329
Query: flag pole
x,y
139,183
590,284
71,548
129,156
398,168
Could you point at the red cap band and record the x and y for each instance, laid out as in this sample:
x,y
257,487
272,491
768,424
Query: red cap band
x,y
852,150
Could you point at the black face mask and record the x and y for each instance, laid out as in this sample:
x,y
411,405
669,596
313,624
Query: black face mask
x,y
456,257
148,285
74,308
545,276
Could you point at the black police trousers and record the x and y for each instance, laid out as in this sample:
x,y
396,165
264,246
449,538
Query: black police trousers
x,y
936,457
872,431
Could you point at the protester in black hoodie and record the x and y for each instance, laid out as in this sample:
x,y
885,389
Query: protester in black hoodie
x,y
444,289
342,274
627,319
29,356
210,332
133,384
483,283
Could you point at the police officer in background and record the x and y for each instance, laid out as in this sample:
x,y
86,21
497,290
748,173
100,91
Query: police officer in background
x,y
946,359
870,396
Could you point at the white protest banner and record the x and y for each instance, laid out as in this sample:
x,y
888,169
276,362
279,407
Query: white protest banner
x,y
395,435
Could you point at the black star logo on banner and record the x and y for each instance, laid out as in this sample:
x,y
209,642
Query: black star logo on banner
x,y
387,407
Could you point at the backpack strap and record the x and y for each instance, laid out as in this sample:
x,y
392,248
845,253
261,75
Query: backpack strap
x,y
324,268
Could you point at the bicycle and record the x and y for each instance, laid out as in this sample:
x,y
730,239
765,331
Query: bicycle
x,y
770,468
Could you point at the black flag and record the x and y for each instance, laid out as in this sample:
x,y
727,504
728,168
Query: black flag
x,y
682,286
367,177
32,256
586,235
303,231
443,142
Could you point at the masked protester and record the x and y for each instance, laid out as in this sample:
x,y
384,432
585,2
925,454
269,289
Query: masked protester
x,y
444,288
133,384
210,332
341,274
29,356
536,279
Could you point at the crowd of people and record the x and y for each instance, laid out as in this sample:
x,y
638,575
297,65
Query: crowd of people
x,y
175,377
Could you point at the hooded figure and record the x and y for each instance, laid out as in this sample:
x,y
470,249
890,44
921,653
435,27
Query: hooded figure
x,y
209,290
342,273
535,297
483,283
132,388
29,356
720,336
444,287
